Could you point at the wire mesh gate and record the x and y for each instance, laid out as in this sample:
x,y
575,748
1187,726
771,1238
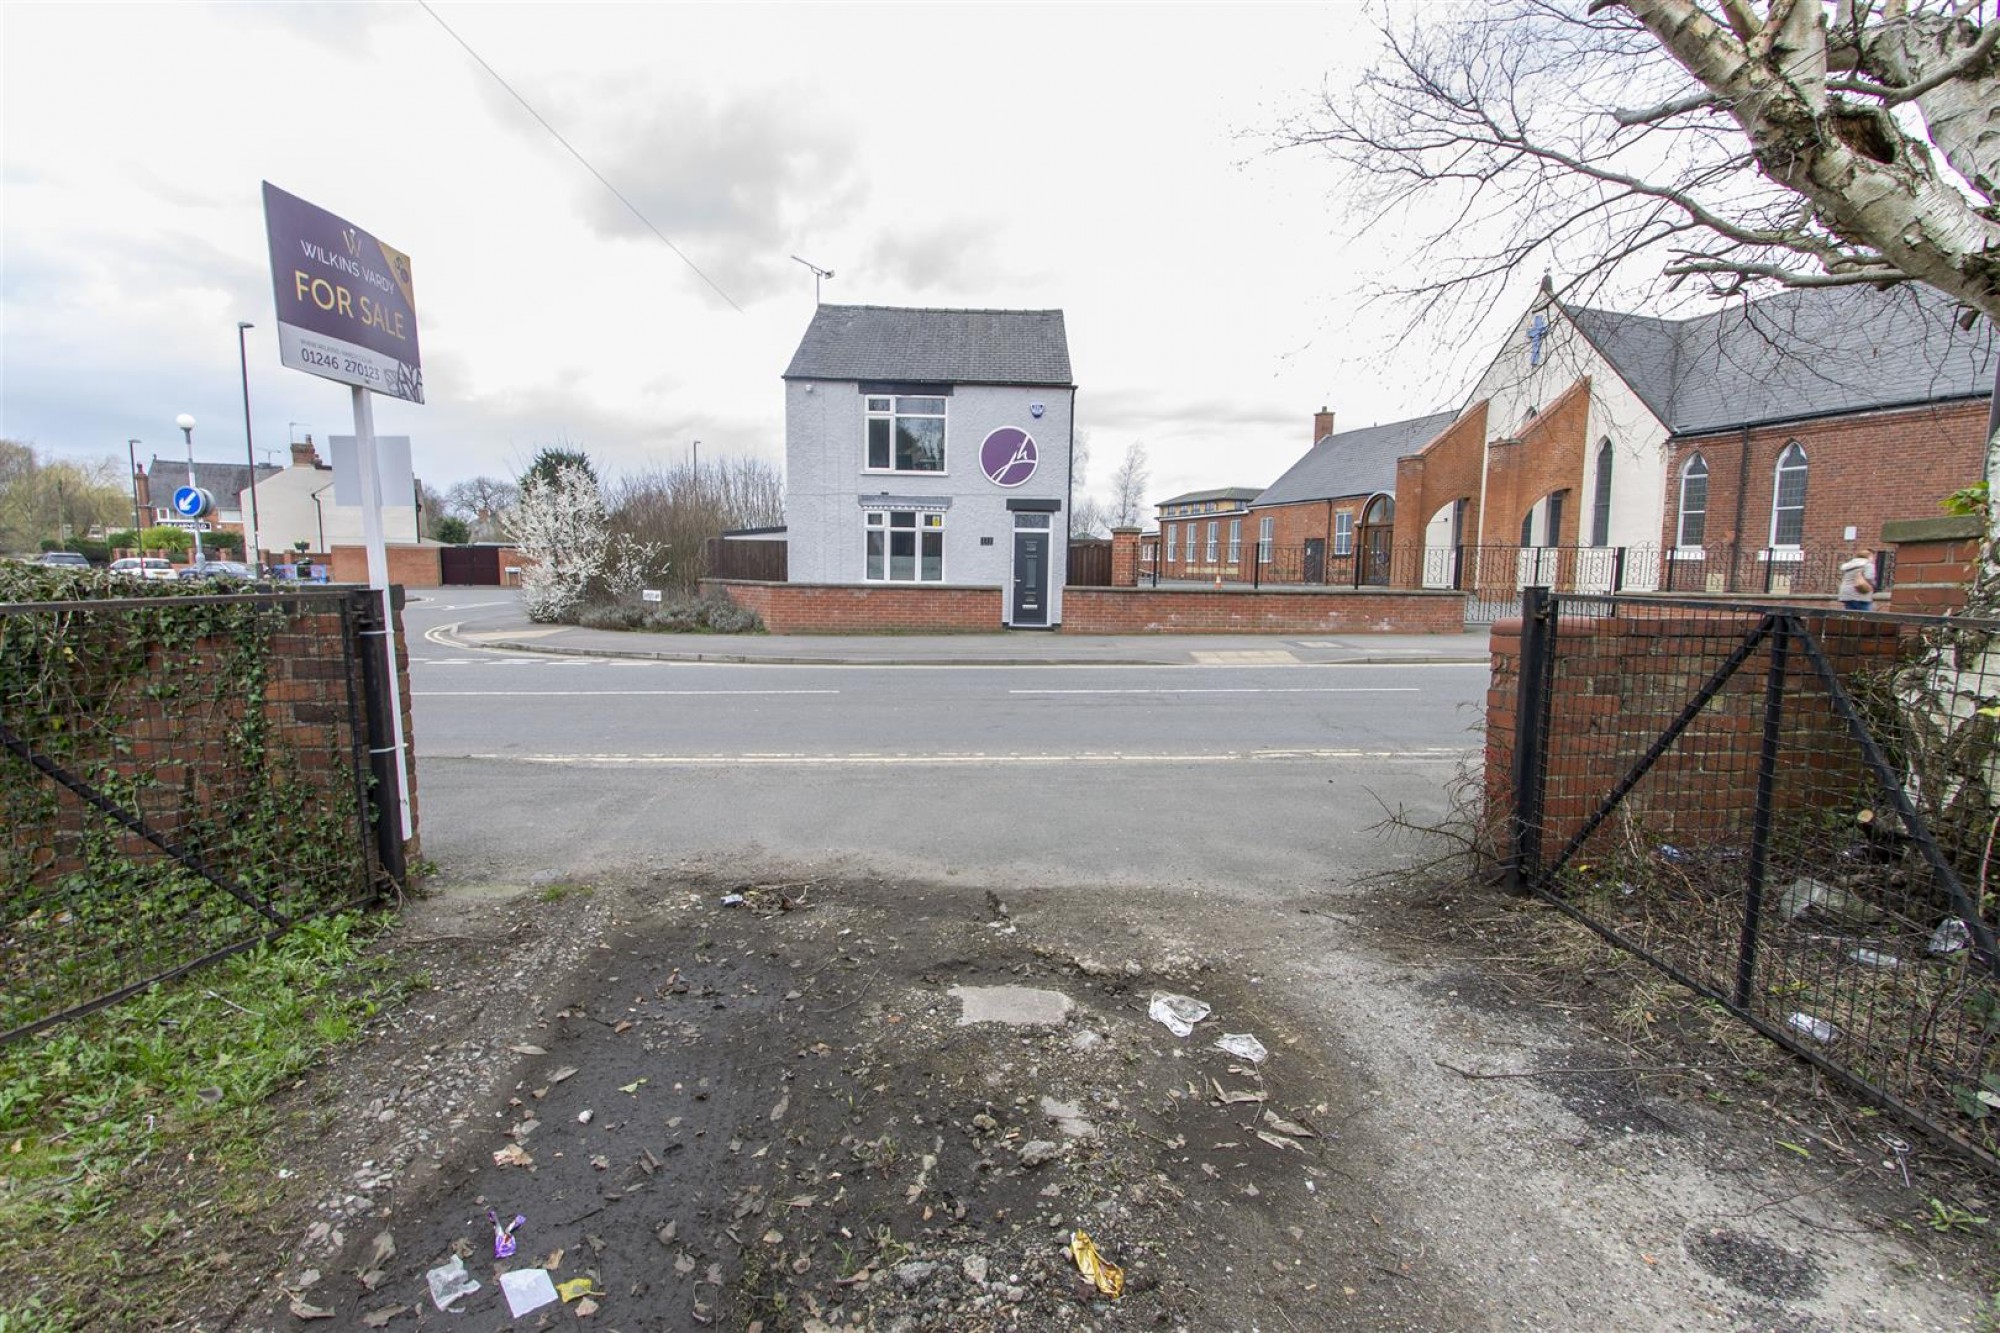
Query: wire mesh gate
x,y
181,778
1791,812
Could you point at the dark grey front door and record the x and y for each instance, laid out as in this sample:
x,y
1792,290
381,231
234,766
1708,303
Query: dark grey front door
x,y
1315,571
1031,578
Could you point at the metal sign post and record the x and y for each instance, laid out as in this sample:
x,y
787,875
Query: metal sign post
x,y
378,579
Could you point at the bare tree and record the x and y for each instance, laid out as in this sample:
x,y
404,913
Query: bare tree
x,y
1801,143
673,510
1128,488
484,503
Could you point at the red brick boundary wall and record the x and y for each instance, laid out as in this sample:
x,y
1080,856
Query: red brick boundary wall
x,y
1261,611
821,608
830,608
1620,682
411,566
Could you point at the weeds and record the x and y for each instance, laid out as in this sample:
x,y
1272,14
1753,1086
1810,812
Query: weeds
x,y
95,1110
1946,1218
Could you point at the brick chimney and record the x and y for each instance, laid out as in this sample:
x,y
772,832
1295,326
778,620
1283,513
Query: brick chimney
x,y
142,486
303,453
1322,425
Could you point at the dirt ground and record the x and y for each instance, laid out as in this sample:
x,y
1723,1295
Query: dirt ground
x,y
770,1116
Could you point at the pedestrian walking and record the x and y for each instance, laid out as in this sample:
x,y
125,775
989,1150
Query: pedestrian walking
x,y
1857,582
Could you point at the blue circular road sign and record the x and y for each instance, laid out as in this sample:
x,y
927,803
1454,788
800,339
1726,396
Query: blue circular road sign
x,y
192,502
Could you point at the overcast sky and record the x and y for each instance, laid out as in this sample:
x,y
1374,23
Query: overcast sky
x,y
1111,161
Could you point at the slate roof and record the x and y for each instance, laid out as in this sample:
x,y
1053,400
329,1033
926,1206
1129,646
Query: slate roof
x,y
225,481
874,342
1354,462
1220,493
1795,355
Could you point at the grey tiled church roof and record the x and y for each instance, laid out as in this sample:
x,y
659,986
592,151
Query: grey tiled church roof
x,y
1354,462
1795,355
872,342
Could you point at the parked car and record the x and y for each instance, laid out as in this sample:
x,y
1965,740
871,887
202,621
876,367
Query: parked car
x,y
64,559
220,569
144,567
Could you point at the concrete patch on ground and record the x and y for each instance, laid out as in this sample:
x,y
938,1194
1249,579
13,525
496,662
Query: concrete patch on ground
x,y
1014,1006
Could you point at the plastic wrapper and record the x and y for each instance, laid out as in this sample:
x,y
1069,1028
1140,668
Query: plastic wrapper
x,y
450,1282
1243,1046
527,1289
1106,1276
1179,1012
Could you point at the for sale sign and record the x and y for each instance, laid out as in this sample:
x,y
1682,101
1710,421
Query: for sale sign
x,y
346,308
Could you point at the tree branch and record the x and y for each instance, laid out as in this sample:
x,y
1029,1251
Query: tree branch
x,y
1968,60
1665,110
1883,276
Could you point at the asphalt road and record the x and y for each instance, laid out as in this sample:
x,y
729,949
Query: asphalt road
x,y
1227,779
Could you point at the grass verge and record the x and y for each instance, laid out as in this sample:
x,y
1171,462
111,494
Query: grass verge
x,y
133,1142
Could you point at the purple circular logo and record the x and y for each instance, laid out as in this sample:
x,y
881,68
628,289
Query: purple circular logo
x,y
1009,456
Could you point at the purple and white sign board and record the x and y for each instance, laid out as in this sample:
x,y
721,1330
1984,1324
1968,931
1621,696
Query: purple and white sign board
x,y
346,307
1009,457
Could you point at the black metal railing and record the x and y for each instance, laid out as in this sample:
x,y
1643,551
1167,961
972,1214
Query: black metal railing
x,y
1789,811
1766,571
182,778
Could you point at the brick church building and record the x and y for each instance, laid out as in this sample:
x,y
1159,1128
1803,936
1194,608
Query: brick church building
x,y
1725,452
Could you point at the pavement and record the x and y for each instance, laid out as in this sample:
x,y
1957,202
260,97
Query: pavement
x,y
505,628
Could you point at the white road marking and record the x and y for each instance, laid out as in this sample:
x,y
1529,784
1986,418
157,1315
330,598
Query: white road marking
x,y
1438,755
1249,689
1245,657
594,694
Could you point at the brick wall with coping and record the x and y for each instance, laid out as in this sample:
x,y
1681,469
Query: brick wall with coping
x,y
836,608
804,608
410,566
1261,611
309,686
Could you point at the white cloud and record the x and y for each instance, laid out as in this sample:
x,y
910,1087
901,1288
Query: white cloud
x,y
1101,159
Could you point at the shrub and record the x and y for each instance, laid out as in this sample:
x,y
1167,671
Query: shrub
x,y
675,615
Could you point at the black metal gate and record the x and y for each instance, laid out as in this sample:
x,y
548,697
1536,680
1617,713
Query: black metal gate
x,y
1791,812
182,778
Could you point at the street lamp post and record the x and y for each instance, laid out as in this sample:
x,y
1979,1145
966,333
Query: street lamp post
x,y
256,551
186,423
132,453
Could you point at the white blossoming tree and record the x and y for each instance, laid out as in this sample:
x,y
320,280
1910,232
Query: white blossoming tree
x,y
560,527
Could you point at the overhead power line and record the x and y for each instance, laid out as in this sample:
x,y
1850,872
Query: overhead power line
x,y
557,134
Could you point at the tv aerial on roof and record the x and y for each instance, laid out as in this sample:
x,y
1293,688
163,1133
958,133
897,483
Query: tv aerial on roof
x,y
817,273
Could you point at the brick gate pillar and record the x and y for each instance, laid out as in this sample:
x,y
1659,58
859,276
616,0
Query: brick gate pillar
x,y
1935,560
1125,557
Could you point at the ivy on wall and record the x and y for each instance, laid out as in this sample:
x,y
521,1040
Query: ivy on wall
x,y
226,725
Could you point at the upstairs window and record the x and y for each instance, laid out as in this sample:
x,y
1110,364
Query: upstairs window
x,y
905,434
1693,526
1788,497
